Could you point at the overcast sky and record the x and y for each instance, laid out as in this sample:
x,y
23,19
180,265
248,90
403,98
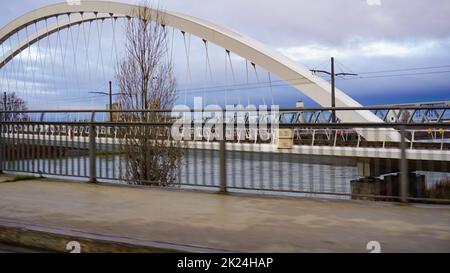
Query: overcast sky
x,y
363,35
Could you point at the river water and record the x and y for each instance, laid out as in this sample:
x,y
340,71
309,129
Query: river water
x,y
261,171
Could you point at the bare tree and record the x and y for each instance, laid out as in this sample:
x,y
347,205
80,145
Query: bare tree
x,y
11,102
146,81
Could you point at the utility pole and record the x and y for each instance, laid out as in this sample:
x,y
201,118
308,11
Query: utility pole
x,y
110,94
333,91
333,85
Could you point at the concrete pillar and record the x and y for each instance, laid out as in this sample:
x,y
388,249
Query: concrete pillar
x,y
364,168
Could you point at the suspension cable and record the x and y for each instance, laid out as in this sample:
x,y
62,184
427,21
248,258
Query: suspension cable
x,y
39,55
28,64
257,80
75,50
271,91
232,72
63,58
187,50
226,78
247,81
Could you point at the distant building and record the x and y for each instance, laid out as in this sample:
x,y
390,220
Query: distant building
x,y
299,104
115,116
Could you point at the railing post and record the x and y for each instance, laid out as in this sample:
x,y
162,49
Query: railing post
x,y
2,149
92,152
222,155
403,166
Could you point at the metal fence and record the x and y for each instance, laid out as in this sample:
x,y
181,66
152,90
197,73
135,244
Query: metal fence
x,y
332,160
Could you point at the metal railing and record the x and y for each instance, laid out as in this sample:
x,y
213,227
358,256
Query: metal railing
x,y
327,159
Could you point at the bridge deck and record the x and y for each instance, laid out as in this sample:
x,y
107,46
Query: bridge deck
x,y
337,151
241,223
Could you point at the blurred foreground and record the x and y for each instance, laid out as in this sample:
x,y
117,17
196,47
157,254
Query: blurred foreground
x,y
200,221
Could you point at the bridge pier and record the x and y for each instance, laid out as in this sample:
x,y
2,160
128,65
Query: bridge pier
x,y
389,186
364,168
389,177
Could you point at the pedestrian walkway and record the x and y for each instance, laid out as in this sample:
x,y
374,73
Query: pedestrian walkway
x,y
228,222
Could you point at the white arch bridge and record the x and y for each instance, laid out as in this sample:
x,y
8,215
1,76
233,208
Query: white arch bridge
x,y
64,145
255,52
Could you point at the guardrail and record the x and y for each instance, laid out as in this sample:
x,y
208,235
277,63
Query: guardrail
x,y
327,159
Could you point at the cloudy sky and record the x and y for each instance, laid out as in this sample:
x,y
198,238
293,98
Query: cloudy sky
x,y
400,48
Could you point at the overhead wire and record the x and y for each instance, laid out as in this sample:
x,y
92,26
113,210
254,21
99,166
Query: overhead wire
x,y
391,73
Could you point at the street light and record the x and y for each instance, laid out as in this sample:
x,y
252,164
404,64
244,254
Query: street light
x,y
110,94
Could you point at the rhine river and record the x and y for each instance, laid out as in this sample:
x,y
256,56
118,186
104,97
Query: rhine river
x,y
199,168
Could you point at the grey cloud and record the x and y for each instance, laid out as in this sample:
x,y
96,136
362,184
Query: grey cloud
x,y
290,22
333,24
